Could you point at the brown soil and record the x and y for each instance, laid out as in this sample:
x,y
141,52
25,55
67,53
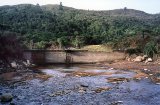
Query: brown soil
x,y
151,70
116,80
140,75
102,89
88,74
82,74
126,65
8,76
42,76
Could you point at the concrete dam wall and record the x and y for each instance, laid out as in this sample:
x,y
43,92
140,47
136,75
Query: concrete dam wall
x,y
71,56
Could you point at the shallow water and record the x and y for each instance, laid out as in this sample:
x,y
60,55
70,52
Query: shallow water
x,y
84,85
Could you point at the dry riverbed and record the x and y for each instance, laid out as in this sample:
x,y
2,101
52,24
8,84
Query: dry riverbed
x,y
119,83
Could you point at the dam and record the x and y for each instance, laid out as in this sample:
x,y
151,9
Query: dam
x,y
71,56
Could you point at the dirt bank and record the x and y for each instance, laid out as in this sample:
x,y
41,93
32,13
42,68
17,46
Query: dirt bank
x,y
127,65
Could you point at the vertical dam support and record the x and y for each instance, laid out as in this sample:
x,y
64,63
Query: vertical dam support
x,y
71,56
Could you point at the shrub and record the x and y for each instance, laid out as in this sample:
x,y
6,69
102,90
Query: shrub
x,y
10,46
40,45
63,42
78,42
150,49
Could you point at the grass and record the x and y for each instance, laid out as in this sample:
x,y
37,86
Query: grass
x,y
97,48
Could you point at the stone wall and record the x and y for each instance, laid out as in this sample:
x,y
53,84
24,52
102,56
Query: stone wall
x,y
55,57
92,57
44,56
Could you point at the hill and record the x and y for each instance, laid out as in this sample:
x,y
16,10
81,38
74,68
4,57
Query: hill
x,y
47,24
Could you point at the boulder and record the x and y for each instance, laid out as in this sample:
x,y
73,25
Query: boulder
x,y
14,65
149,60
145,57
7,97
138,59
28,62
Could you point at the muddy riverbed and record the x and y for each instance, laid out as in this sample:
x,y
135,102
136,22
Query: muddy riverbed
x,y
81,85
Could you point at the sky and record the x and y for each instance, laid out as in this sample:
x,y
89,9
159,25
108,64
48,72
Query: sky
x,y
149,6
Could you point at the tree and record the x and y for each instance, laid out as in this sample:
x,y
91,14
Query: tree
x,y
125,8
10,46
37,5
60,6
78,42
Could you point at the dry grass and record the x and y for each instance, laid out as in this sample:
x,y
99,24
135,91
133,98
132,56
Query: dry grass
x,y
88,74
116,80
98,48
155,80
42,76
140,75
102,89
82,74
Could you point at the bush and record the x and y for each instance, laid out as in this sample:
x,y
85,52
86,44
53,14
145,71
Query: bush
x,y
78,42
150,49
40,45
63,42
10,46
131,51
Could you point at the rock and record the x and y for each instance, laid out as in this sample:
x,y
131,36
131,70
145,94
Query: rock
x,y
7,97
117,103
111,69
28,62
60,93
145,57
20,97
12,104
129,59
14,65
102,89
84,85
138,59
149,59
81,90
146,61
157,83
145,69
25,63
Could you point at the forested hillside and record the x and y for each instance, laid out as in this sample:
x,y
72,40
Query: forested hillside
x,y
43,26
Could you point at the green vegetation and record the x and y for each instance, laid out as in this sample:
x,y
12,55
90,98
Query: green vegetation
x,y
43,26
150,49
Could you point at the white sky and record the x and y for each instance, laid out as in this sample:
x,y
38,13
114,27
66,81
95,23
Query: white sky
x,y
149,6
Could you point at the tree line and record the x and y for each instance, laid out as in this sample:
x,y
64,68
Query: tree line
x,y
42,26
